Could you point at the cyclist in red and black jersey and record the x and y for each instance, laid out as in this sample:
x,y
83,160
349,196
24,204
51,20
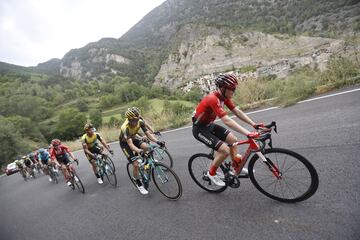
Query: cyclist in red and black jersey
x,y
214,135
59,153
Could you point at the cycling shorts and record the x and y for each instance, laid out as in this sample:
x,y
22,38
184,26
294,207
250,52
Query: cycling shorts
x,y
212,135
130,155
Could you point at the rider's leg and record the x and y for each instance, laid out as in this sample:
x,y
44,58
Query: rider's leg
x,y
144,146
136,169
65,172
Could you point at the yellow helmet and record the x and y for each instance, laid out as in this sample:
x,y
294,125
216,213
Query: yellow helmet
x,y
88,126
132,113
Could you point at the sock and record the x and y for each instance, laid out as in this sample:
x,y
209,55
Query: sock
x,y
138,182
212,170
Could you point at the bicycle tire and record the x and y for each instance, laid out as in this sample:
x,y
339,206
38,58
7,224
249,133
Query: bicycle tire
x,y
160,156
308,169
53,175
110,173
78,184
106,157
204,182
130,174
161,174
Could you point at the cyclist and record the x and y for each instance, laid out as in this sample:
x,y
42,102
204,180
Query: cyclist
x,y
28,165
90,143
20,166
34,160
59,153
131,142
44,159
213,135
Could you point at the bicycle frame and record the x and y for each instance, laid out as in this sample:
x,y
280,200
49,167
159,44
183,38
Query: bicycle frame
x,y
255,148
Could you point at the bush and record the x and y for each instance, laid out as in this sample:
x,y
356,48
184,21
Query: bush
x,y
70,124
11,143
95,117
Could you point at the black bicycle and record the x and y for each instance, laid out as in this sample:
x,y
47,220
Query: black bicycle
x,y
76,183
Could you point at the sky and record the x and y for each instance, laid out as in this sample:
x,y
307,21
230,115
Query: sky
x,y
35,31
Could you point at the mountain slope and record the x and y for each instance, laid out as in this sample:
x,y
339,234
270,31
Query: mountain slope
x,y
139,53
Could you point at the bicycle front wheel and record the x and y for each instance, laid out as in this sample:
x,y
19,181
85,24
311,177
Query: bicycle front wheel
x,y
107,159
110,173
198,166
166,181
77,182
53,175
297,179
163,156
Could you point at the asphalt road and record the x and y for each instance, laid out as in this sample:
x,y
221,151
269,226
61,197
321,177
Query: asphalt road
x,y
326,131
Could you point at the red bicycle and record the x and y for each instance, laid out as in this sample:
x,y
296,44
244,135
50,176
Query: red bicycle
x,y
280,174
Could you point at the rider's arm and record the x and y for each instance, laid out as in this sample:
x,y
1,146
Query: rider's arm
x,y
132,146
103,142
241,115
234,125
87,151
151,136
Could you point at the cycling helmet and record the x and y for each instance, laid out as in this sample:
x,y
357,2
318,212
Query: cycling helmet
x,y
41,151
88,126
55,142
228,81
132,113
23,157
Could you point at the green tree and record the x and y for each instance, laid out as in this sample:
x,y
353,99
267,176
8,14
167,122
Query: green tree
x,y
95,117
70,124
11,143
81,105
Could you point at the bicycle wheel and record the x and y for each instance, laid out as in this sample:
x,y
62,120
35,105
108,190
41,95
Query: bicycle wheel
x,y
198,166
298,178
53,175
76,182
110,173
110,161
163,156
145,182
166,181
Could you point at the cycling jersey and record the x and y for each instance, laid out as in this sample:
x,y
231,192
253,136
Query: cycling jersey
x,y
44,157
92,141
19,165
27,162
60,154
210,107
127,131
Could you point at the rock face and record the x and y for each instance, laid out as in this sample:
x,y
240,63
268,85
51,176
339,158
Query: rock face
x,y
200,55
80,69
183,40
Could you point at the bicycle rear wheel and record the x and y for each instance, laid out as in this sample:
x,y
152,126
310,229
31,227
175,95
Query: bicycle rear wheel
x,y
198,166
298,178
163,156
166,181
110,173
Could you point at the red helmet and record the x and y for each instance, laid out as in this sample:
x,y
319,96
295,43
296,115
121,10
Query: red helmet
x,y
55,142
228,81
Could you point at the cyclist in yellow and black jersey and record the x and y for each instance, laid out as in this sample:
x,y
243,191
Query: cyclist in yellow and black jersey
x,y
90,143
132,144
